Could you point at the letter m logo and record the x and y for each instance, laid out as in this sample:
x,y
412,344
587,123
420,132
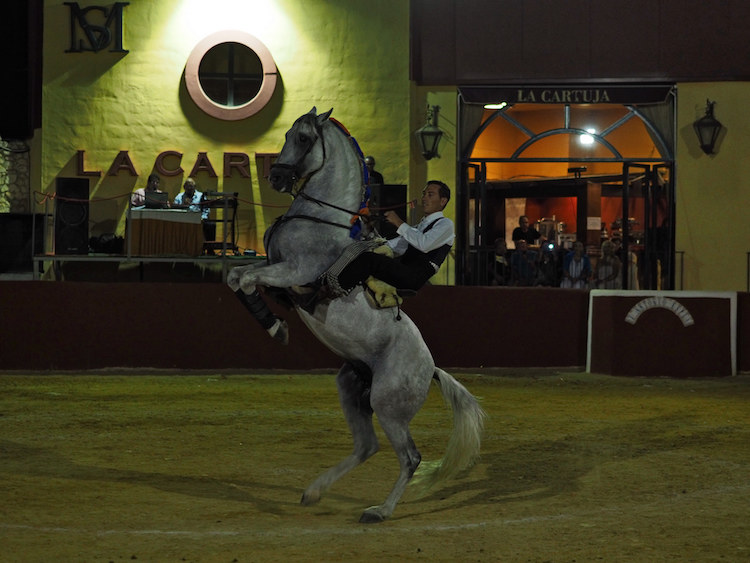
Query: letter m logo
x,y
105,29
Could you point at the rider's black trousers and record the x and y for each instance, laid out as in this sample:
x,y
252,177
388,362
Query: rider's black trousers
x,y
401,274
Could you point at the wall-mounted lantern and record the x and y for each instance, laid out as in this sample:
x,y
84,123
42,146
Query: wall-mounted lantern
x,y
429,134
708,128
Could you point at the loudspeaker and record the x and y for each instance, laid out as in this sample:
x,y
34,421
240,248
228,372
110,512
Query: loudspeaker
x,y
72,216
385,197
15,240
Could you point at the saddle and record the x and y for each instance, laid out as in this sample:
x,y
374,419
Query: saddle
x,y
382,295
379,294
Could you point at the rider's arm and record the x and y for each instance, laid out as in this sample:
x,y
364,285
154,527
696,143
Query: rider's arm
x,y
442,233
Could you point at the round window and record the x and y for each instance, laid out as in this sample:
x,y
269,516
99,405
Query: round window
x,y
230,75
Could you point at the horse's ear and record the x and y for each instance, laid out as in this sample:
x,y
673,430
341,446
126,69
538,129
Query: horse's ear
x,y
313,111
322,118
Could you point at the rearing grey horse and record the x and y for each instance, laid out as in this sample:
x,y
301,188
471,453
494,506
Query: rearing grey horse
x,y
387,367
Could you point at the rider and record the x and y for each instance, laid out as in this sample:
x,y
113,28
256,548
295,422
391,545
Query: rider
x,y
419,250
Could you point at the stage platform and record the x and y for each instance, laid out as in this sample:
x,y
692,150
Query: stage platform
x,y
116,267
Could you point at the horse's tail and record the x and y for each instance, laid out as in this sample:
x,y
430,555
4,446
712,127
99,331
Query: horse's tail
x,y
465,439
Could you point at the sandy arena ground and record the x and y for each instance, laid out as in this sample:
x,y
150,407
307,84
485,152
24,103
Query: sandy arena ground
x,y
575,467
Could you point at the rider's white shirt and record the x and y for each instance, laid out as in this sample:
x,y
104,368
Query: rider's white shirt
x,y
437,236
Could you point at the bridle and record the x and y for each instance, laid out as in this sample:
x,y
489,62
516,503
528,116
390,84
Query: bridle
x,y
294,169
295,166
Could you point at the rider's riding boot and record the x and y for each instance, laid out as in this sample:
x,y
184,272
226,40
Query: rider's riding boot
x,y
258,308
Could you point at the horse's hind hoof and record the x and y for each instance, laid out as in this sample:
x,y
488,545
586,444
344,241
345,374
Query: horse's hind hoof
x,y
309,498
371,516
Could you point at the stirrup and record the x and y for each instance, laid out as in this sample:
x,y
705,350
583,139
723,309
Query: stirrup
x,y
382,295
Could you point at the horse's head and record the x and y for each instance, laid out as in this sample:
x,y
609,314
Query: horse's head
x,y
303,152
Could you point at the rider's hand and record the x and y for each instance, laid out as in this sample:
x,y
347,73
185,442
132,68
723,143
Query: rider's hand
x,y
393,218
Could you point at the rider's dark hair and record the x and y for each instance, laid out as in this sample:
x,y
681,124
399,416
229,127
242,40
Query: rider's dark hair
x,y
443,189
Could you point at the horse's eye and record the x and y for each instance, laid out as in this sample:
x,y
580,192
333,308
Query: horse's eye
x,y
304,139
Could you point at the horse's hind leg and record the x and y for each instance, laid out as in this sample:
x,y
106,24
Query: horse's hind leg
x,y
398,392
409,457
354,395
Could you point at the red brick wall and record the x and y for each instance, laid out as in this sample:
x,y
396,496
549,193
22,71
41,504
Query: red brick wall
x,y
201,326
658,341
191,326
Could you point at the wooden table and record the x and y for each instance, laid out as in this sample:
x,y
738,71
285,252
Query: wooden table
x,y
164,232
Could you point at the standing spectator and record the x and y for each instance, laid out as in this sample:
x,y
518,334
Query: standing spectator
x,y
632,264
374,176
525,232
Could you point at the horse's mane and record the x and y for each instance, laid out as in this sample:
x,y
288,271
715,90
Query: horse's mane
x,y
340,125
363,206
355,144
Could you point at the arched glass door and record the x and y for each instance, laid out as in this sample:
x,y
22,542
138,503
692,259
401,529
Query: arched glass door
x,y
590,170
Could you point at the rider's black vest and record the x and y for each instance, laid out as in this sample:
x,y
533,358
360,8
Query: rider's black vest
x,y
434,257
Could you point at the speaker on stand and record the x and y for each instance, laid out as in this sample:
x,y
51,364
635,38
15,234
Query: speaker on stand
x,y
387,197
72,216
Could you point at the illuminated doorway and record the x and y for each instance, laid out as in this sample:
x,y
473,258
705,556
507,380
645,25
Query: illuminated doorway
x,y
589,164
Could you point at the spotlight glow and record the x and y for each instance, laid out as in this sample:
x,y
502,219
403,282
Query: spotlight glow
x,y
587,139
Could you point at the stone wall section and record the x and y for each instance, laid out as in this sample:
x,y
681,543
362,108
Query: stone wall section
x,y
15,177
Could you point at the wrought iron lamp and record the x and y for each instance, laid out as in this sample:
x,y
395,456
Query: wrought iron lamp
x,y
429,134
708,128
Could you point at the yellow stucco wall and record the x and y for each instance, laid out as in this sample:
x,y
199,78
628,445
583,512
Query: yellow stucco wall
x,y
713,191
336,54
351,55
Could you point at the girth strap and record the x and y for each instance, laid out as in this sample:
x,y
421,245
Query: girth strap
x,y
331,276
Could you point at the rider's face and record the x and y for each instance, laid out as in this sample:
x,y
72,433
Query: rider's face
x,y
431,200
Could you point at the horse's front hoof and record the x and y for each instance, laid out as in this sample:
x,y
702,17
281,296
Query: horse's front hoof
x,y
371,516
280,331
233,280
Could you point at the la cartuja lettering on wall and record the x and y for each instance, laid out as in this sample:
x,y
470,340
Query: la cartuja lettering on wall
x,y
563,96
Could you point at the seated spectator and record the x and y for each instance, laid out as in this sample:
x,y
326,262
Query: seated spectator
x,y
500,267
576,268
548,274
523,265
608,268
139,196
191,199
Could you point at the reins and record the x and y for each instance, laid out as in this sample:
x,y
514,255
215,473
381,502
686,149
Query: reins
x,y
331,205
